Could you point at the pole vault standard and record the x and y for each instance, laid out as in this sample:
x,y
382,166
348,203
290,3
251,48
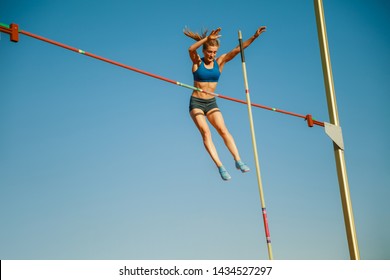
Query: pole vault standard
x,y
13,31
259,181
334,119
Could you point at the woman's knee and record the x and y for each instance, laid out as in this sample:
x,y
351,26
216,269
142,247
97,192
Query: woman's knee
x,y
224,132
206,135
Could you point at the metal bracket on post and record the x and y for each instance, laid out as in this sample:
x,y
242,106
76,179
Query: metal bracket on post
x,y
12,30
335,133
310,121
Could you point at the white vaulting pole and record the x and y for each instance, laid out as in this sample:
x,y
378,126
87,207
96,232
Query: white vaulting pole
x,y
259,181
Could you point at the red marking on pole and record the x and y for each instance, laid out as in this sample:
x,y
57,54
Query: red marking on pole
x,y
265,219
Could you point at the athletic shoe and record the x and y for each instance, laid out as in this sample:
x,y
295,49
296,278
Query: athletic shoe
x,y
224,174
242,166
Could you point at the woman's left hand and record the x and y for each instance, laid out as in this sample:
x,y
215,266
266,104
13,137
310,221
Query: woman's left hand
x,y
259,31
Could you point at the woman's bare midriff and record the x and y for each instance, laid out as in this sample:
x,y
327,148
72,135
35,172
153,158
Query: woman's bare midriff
x,y
206,86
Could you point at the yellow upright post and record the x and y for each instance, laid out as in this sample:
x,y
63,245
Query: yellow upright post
x,y
334,119
260,185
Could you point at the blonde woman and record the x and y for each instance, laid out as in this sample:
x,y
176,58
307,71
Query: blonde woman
x,y
206,71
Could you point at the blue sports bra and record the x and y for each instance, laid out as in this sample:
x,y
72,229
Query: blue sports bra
x,y
202,74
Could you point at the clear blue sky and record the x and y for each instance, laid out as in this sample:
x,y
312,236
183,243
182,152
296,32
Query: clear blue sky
x,y
97,162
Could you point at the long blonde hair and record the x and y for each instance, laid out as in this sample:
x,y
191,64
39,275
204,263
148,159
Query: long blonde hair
x,y
197,37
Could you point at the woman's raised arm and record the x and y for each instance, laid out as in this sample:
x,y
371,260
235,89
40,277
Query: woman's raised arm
x,y
230,55
192,49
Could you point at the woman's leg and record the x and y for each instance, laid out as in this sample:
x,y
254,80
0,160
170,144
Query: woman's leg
x,y
216,119
201,123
